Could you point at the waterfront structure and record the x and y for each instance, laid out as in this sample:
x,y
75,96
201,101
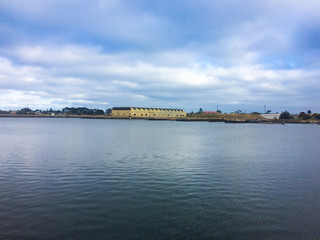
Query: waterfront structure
x,y
271,115
142,112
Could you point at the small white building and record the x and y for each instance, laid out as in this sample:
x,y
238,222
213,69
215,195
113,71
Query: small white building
x,y
271,115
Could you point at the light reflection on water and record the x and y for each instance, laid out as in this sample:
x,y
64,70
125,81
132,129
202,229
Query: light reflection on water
x,y
119,179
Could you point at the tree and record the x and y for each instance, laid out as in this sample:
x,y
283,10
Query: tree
x,y
99,112
24,111
304,116
269,111
200,111
309,111
285,115
317,116
3,112
218,111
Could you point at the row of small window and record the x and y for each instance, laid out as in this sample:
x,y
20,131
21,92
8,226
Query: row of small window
x,y
141,114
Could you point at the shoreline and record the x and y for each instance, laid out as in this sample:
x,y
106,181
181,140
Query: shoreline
x,y
229,121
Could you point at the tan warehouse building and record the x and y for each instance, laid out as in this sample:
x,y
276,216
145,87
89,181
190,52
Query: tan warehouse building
x,y
140,112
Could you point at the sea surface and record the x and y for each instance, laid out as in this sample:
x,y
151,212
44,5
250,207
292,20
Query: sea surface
x,y
140,179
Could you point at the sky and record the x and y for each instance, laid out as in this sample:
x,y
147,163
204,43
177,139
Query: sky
x,y
224,54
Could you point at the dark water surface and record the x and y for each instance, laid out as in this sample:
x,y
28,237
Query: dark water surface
x,y
121,179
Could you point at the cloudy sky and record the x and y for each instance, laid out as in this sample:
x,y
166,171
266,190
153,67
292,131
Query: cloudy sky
x,y
236,54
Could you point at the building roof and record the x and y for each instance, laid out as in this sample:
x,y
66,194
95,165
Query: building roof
x,y
129,108
121,108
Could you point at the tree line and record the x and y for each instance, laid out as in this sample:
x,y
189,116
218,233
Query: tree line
x,y
66,110
302,115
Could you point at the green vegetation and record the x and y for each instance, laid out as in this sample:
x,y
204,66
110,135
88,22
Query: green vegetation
x,y
285,115
309,116
316,116
25,111
83,111
304,116
64,111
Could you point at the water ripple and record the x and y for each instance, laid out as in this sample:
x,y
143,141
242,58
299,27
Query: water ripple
x,y
157,180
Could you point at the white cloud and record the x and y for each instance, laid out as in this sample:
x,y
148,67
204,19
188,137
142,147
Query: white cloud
x,y
119,53
93,77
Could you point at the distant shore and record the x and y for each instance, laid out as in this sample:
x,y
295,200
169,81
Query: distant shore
x,y
226,118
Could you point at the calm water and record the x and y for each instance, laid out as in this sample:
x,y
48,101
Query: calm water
x,y
121,179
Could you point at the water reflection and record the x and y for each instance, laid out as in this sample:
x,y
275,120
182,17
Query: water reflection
x,y
72,178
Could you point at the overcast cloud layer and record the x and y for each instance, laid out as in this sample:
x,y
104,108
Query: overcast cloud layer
x,y
181,54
